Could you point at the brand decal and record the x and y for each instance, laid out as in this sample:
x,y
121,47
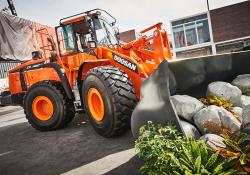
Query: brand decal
x,y
125,63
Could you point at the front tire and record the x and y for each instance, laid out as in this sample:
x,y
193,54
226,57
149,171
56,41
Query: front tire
x,y
109,99
46,107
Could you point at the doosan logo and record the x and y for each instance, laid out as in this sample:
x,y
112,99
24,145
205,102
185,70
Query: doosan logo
x,y
126,63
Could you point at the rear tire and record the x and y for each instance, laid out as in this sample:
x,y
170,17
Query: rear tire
x,y
117,95
63,109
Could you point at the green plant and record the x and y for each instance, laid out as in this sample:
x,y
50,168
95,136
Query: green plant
x,y
156,145
166,152
234,151
217,101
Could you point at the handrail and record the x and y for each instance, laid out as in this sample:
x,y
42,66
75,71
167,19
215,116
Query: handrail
x,y
86,12
158,26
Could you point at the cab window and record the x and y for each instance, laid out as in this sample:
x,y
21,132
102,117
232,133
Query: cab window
x,y
66,39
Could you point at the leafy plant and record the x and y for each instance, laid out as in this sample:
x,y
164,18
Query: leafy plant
x,y
156,145
166,152
217,101
235,151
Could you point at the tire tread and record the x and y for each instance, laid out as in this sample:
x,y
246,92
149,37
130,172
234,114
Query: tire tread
x,y
123,96
68,113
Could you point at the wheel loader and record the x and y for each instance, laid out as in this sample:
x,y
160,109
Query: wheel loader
x,y
90,70
114,83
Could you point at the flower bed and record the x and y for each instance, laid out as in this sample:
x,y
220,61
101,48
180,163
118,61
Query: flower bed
x,y
165,151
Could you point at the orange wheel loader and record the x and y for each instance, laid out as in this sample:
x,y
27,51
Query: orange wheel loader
x,y
89,69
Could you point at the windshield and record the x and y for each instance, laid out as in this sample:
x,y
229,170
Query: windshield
x,y
104,32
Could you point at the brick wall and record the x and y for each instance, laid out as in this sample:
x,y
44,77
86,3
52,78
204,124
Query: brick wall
x,y
231,22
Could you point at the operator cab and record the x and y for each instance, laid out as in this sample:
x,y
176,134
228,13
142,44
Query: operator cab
x,y
84,32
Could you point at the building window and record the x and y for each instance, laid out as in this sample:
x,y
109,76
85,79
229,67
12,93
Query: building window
x,y
191,34
191,31
203,31
179,37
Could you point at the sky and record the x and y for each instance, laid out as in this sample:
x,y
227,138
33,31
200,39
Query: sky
x,y
130,14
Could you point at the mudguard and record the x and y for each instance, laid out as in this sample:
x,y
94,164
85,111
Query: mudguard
x,y
183,76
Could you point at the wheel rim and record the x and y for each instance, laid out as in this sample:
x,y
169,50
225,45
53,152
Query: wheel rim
x,y
42,108
95,103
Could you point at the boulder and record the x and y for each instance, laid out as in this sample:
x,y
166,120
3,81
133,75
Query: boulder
x,y
238,110
228,120
246,119
186,106
190,130
208,120
242,82
214,141
244,100
213,119
226,91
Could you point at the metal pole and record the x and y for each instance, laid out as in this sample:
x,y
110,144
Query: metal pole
x,y
12,7
208,5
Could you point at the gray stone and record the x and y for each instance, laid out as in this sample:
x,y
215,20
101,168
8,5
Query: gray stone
x,y
242,82
214,141
226,91
238,110
190,130
213,119
244,100
228,120
186,106
246,119
208,120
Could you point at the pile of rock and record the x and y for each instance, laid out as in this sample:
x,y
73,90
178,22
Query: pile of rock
x,y
207,122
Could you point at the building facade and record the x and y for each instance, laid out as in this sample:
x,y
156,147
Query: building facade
x,y
221,30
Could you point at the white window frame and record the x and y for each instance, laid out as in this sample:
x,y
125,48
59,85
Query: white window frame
x,y
198,45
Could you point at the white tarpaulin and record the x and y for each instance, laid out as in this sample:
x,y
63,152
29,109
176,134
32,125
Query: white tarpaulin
x,y
18,37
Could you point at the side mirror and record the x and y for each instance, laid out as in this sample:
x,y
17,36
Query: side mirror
x,y
37,55
91,44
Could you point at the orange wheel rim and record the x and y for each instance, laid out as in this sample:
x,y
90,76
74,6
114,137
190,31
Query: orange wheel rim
x,y
42,108
95,103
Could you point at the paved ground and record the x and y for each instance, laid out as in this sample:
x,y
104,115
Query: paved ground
x,y
8,109
76,149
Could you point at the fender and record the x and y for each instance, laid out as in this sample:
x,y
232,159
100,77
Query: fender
x,y
87,65
59,71
84,68
63,78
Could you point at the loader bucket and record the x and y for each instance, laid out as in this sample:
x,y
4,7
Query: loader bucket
x,y
183,76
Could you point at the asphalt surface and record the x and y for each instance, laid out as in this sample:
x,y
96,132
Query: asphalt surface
x,y
71,150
